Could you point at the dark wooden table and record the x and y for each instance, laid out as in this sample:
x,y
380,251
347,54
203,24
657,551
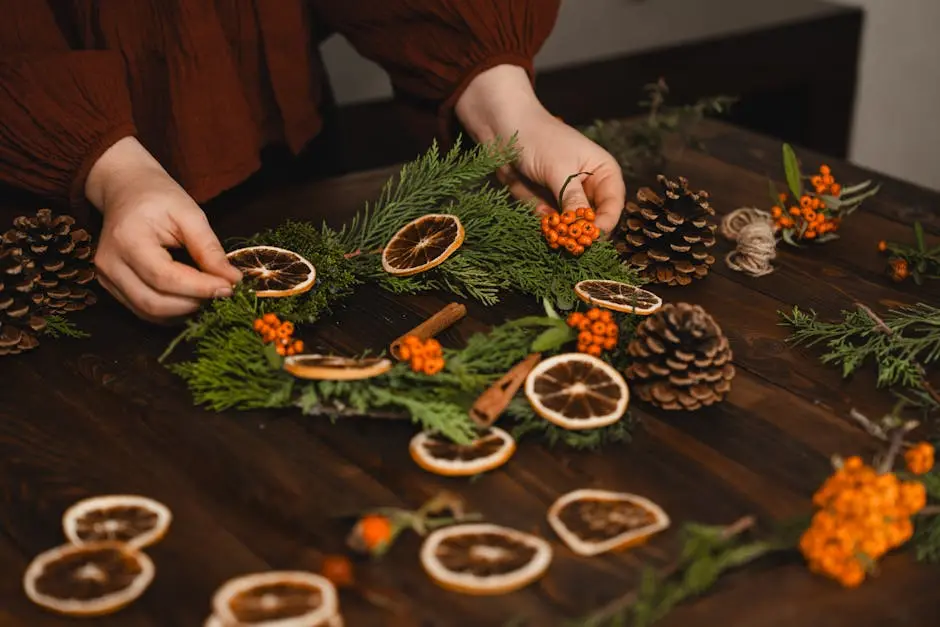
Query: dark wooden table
x,y
256,491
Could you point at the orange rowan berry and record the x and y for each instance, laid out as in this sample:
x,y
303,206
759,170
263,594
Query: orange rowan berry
x,y
806,202
562,229
258,324
575,230
594,350
828,180
585,240
417,363
782,196
611,329
795,211
585,337
285,330
912,496
810,234
574,318
588,229
816,181
776,212
554,245
554,220
882,246
579,212
584,325
593,314
606,316
298,346
919,458
568,217
825,170
374,530
589,214
338,569
599,328
433,366
835,189
610,343
899,269
810,215
571,245
280,350
268,336
270,318
578,249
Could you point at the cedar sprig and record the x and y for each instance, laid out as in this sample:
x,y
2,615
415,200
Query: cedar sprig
x,y
58,326
901,343
422,187
707,553
638,144
917,262
527,422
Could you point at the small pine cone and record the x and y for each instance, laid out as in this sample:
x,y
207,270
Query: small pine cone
x,y
19,303
681,359
62,256
668,237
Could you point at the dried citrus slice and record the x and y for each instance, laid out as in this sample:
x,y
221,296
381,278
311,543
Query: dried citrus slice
x,y
596,521
274,271
577,391
333,368
277,599
618,296
444,457
137,520
88,579
482,558
422,244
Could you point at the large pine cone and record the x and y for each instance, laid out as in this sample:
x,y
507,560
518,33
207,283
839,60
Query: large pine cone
x,y
681,359
62,256
19,303
668,237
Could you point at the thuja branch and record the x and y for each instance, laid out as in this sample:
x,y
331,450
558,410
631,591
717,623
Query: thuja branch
x,y
902,343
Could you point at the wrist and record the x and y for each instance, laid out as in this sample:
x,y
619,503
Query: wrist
x,y
497,103
121,166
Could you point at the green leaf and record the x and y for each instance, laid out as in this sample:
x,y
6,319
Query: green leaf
x,y
791,167
826,237
919,234
552,339
848,191
274,360
788,238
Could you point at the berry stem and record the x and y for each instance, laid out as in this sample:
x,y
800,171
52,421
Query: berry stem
x,y
564,186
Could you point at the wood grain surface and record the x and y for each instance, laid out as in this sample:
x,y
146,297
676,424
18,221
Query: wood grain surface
x,y
261,490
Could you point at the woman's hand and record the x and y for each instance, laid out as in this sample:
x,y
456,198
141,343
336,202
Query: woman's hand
x,y
145,213
500,102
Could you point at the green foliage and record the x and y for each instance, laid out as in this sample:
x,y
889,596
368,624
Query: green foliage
x,y
707,553
791,168
922,262
528,422
900,345
58,326
926,538
638,144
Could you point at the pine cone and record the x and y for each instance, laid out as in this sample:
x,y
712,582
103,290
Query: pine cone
x,y
62,256
19,303
669,237
681,359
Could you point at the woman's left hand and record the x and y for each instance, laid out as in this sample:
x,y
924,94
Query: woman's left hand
x,y
499,103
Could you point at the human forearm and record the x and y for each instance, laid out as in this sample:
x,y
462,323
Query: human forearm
x,y
498,102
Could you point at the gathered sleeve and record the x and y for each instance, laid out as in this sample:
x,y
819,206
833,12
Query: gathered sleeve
x,y
432,49
60,109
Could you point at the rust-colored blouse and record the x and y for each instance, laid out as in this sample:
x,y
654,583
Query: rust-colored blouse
x,y
206,84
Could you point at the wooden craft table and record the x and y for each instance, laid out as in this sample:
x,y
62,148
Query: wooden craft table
x,y
260,490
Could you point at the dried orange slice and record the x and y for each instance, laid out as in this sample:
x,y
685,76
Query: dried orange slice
x,y
276,599
335,621
618,297
273,271
596,521
577,391
332,368
444,457
88,579
137,520
422,244
483,559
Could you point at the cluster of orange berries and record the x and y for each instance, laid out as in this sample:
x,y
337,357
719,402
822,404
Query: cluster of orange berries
x,y
425,356
862,515
825,183
281,333
572,229
597,331
900,269
811,213
919,458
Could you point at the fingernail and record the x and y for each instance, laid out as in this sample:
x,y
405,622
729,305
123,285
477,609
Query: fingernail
x,y
222,292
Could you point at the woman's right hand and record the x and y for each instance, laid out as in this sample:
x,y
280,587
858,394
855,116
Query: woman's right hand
x,y
145,213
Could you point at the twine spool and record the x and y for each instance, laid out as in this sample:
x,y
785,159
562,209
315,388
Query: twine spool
x,y
753,231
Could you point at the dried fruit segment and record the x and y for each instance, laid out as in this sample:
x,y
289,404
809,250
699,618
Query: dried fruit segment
x,y
444,457
282,598
422,244
136,520
596,521
618,297
482,558
88,580
331,368
274,272
577,391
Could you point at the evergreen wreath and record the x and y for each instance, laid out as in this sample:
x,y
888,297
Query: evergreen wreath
x,y
231,368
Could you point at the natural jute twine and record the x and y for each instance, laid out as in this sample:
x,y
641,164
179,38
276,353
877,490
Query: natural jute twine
x,y
753,230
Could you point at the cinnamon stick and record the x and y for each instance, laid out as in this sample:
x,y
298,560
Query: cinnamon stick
x,y
492,403
440,321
